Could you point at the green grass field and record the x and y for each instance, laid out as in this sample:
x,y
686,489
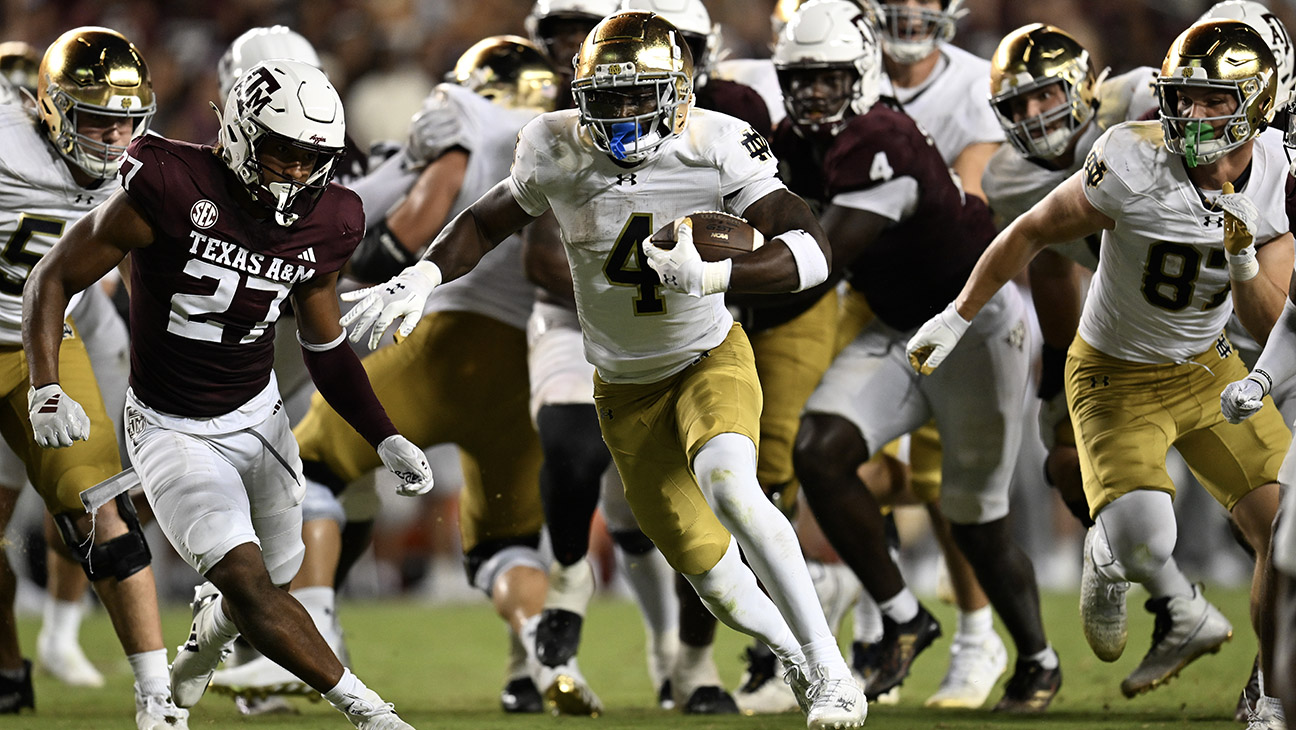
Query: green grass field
x,y
443,667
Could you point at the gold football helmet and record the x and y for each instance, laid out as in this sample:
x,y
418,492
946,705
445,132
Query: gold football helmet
x,y
510,71
1031,58
19,63
633,84
93,71
1220,55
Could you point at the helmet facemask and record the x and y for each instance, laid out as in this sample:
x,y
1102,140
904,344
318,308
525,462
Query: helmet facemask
x,y
98,159
1204,140
628,122
1048,134
910,34
819,97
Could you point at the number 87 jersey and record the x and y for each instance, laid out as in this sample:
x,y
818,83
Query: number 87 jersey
x,y
206,293
635,330
1161,290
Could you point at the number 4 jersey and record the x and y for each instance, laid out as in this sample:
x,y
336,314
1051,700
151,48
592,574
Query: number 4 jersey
x,y
206,293
1161,291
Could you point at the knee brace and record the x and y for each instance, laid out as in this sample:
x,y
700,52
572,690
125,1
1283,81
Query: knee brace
x,y
488,561
120,557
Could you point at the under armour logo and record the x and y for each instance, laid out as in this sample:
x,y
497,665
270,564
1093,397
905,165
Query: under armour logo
x,y
605,414
395,288
1222,347
1099,380
670,280
627,179
1213,221
82,198
756,145
254,93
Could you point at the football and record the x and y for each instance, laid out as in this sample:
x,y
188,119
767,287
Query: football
x,y
717,236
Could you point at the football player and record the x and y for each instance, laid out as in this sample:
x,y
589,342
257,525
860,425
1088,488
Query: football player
x,y
219,239
664,347
1150,353
1053,106
95,94
886,191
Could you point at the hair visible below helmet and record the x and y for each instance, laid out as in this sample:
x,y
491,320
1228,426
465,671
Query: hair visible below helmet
x,y
291,102
694,23
1031,58
910,34
262,44
1274,33
1221,55
508,70
829,34
538,22
96,71
20,65
627,50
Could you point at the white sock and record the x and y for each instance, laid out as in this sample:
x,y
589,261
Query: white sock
x,y
868,620
975,623
570,586
695,668
730,592
528,638
1169,582
320,603
348,686
517,666
221,623
1046,657
726,470
902,607
62,620
151,673
653,584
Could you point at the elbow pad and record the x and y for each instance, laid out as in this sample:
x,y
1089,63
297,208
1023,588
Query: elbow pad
x,y
380,255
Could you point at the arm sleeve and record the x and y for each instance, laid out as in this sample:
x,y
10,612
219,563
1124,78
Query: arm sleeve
x,y
343,382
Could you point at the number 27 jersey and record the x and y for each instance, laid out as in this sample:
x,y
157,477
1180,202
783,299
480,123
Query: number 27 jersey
x,y
1161,292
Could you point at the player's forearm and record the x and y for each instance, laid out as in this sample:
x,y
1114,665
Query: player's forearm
x,y
342,380
1277,363
1010,252
44,301
1258,303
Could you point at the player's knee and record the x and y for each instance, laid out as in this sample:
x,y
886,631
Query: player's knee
x,y
488,561
118,557
827,448
633,542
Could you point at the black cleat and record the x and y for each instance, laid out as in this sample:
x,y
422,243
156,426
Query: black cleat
x,y
557,636
15,694
1030,689
1250,694
665,698
893,656
710,700
520,695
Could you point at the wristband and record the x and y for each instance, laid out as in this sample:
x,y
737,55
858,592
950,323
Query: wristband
x,y
1243,266
812,267
430,270
715,276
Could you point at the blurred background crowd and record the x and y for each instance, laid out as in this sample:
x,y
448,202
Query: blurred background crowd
x,y
385,55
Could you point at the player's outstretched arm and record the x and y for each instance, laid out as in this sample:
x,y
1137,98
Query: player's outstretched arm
x,y
456,250
1064,215
90,248
342,380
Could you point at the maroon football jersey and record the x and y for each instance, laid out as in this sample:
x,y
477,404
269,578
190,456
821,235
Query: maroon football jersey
x,y
206,293
918,265
736,100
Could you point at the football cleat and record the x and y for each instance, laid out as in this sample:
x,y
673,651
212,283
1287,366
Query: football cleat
x,y
367,711
665,696
835,702
1030,689
259,678
272,705
521,696
158,712
1266,714
566,692
15,694
196,659
1102,608
761,691
65,661
976,663
710,700
1250,694
1186,627
893,656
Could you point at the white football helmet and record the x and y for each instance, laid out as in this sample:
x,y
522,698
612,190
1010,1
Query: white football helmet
x,y
910,34
1274,33
538,22
827,35
262,44
694,23
293,103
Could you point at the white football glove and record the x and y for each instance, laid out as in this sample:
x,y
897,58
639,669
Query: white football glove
x,y
1242,398
1052,413
402,296
432,130
408,462
681,269
1241,219
56,419
934,341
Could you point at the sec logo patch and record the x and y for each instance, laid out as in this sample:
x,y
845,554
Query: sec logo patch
x,y
203,214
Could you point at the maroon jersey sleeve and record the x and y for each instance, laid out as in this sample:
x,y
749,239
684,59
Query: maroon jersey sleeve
x,y
736,100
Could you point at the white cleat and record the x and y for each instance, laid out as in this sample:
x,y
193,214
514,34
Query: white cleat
x,y
197,658
976,663
65,661
273,705
158,712
259,678
1267,714
566,692
762,691
1102,608
1186,628
835,702
367,711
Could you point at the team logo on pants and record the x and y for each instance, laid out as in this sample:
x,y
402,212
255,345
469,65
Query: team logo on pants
x,y
134,424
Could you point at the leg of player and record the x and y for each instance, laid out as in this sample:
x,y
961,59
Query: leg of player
x,y
696,682
15,671
58,649
574,461
1255,515
829,450
1283,678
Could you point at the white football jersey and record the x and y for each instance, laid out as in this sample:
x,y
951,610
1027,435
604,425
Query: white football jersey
x,y
952,103
636,331
1013,184
38,201
759,74
1161,292
497,287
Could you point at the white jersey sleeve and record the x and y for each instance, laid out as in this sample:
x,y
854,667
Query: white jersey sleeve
x,y
747,167
1126,97
524,177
